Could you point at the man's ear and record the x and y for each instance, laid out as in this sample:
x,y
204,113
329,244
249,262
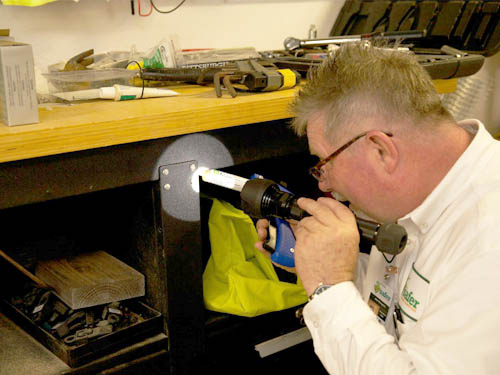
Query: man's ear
x,y
384,152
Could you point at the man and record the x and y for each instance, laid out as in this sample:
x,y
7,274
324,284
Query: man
x,y
386,144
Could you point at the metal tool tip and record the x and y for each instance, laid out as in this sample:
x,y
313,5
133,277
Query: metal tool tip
x,y
291,43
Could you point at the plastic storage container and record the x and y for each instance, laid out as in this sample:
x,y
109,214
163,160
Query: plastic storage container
x,y
88,79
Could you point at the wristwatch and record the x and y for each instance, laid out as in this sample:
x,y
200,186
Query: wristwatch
x,y
320,289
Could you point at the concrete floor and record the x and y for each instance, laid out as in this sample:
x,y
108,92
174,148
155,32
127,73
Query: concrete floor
x,y
21,354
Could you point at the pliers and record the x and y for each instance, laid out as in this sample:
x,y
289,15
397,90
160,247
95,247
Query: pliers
x,y
80,61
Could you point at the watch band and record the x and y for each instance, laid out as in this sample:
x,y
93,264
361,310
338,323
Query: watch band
x,y
319,289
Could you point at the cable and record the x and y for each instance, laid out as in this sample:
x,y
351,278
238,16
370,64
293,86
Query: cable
x,y
140,72
166,11
387,260
139,8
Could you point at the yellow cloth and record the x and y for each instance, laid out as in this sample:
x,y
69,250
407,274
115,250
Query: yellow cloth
x,y
238,279
27,3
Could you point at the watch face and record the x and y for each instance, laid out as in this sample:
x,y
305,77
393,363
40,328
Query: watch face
x,y
320,289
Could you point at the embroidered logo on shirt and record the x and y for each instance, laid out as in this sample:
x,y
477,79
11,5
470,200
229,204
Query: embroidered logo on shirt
x,y
411,301
412,298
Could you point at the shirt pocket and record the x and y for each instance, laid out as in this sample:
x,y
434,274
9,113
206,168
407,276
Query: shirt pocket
x,y
412,299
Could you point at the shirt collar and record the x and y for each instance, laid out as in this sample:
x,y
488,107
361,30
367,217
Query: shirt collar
x,y
457,178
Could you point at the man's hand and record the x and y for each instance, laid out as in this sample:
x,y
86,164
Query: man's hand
x,y
262,227
327,243
262,231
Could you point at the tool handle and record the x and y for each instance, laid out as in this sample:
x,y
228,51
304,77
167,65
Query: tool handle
x,y
283,239
27,273
190,75
294,43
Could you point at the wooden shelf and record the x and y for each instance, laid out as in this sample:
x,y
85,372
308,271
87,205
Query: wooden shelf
x,y
88,125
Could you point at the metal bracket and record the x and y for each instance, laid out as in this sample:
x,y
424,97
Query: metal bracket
x,y
179,198
180,218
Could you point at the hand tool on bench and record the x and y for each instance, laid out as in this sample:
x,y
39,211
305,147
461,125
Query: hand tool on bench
x,y
80,61
254,75
291,43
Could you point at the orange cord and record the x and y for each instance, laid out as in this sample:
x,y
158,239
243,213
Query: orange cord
x,y
139,7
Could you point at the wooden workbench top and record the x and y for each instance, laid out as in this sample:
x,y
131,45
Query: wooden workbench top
x,y
88,125
101,123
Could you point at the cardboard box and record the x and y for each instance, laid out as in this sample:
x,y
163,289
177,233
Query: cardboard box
x,y
18,101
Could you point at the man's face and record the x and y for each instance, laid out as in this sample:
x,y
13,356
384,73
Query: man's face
x,y
322,148
344,175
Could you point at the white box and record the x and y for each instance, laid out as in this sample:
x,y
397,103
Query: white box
x,y
18,101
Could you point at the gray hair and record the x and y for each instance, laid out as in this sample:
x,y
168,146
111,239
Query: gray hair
x,y
360,81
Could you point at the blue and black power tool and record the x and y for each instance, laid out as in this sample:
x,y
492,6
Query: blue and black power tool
x,y
262,198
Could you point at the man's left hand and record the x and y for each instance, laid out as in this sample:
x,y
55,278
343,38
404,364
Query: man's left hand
x,y
327,243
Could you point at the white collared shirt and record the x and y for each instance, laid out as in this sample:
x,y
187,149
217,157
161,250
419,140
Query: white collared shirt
x,y
447,287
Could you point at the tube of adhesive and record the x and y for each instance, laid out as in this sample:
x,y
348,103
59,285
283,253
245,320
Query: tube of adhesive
x,y
117,93
224,179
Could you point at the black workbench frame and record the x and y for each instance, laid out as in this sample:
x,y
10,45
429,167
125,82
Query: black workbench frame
x,y
177,266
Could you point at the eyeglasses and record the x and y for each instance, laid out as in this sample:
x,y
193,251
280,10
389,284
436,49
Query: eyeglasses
x,y
317,171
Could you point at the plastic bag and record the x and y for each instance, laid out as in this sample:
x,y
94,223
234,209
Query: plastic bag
x,y
238,279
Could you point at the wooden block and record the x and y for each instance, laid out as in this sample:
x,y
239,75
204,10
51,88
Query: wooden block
x,y
91,279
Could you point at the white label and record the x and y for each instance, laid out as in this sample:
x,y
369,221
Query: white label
x,y
224,179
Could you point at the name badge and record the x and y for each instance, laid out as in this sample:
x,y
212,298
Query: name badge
x,y
380,300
